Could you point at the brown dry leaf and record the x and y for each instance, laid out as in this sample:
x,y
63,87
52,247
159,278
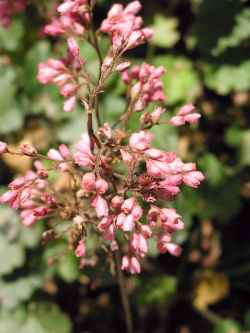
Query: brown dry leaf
x,y
63,182
210,288
38,136
20,164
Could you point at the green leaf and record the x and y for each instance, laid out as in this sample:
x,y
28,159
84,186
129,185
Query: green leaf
x,y
239,33
212,168
13,293
10,38
227,78
68,268
10,113
181,82
157,290
165,31
51,318
38,53
234,136
245,149
12,255
227,326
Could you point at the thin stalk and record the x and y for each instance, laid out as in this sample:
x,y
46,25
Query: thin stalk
x,y
124,295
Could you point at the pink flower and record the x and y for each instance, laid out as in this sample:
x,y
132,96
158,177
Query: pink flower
x,y
128,205
101,186
125,27
88,182
80,250
131,265
185,115
28,150
193,178
141,140
54,155
8,9
139,244
148,86
83,156
3,147
101,206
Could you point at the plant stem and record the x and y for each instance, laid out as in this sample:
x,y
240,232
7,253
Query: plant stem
x,y
124,295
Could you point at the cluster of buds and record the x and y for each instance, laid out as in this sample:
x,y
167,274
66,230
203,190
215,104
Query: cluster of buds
x,y
8,9
65,74
145,85
120,186
125,27
74,17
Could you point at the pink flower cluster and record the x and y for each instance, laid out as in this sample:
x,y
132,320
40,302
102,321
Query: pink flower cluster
x,y
8,9
119,186
29,194
74,17
146,85
125,27
64,73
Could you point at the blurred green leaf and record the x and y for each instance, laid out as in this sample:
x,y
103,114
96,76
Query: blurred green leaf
x,y
20,290
227,326
157,290
13,254
166,34
10,112
245,149
68,268
10,39
51,318
239,34
234,136
212,168
226,78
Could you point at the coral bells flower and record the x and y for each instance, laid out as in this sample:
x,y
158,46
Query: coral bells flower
x,y
73,19
185,115
113,184
63,74
125,27
8,9
146,85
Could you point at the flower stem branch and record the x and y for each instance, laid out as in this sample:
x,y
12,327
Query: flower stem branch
x,y
124,295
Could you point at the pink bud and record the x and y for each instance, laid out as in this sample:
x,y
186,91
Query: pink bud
x,y
177,121
69,104
54,155
88,182
3,147
156,115
128,205
101,206
186,109
123,66
192,118
101,186
116,202
135,267
64,151
28,150
137,212
80,251
141,140
133,7
146,231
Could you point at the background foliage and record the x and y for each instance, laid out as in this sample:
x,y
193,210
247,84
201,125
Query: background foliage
x,y
205,48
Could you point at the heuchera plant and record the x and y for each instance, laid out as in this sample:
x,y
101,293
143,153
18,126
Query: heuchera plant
x,y
126,205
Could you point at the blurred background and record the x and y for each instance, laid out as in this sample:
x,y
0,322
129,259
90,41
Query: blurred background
x,y
205,47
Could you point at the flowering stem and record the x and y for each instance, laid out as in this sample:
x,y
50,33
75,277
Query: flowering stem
x,y
124,295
